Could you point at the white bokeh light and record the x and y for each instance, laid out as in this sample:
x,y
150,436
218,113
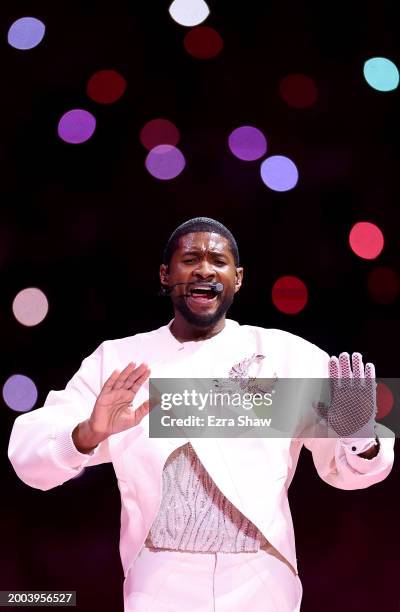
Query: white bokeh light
x,y
30,306
189,12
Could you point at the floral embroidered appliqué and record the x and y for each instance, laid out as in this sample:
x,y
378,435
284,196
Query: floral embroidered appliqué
x,y
239,377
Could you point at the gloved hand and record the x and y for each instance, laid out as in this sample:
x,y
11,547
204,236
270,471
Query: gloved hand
x,y
352,408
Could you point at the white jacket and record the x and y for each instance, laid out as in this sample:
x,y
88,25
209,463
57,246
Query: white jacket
x,y
254,473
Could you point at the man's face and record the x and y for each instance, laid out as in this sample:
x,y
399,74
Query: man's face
x,y
202,257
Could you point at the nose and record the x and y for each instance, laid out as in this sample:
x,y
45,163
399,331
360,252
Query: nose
x,y
205,270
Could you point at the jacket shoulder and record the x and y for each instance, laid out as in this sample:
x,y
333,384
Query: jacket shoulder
x,y
281,337
141,340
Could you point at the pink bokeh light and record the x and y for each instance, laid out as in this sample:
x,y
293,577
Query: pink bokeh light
x,y
30,306
366,240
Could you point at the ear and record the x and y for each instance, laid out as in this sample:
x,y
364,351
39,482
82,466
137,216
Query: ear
x,y
164,274
239,279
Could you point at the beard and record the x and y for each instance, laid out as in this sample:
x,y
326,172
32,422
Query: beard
x,y
206,320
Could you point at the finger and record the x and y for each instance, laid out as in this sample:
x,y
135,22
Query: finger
x,y
108,385
358,366
142,411
369,370
334,380
133,376
120,382
344,366
370,376
333,367
139,382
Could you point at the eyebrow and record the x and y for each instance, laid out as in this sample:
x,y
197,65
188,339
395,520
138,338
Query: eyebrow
x,y
196,252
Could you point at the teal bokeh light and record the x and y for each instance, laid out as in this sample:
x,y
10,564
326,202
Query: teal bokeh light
x,y
381,74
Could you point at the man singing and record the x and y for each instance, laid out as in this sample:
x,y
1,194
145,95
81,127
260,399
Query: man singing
x,y
205,523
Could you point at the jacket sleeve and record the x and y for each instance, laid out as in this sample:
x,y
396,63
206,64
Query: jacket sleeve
x,y
346,471
335,465
41,449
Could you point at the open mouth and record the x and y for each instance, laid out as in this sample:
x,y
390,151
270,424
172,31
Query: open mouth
x,y
202,295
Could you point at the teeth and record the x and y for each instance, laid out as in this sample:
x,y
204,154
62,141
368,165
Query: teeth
x,y
202,292
202,288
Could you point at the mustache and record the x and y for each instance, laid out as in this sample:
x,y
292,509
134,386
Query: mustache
x,y
215,286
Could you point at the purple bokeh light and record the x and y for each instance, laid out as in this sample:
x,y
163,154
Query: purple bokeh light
x,y
279,173
26,33
247,143
20,393
76,126
165,162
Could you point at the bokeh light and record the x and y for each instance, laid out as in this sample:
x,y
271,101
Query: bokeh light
x,y
189,12
106,86
381,74
366,240
76,126
157,132
203,42
279,173
26,33
289,294
30,306
383,284
165,162
247,143
20,393
298,90
384,400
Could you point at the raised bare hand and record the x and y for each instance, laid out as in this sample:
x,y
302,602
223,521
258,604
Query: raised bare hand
x,y
112,412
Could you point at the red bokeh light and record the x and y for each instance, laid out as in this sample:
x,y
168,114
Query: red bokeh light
x,y
289,294
106,86
159,132
383,285
384,400
298,90
203,42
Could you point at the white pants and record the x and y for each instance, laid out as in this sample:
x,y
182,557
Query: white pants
x,y
169,581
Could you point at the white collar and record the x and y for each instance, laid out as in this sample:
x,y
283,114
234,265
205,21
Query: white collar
x,y
230,325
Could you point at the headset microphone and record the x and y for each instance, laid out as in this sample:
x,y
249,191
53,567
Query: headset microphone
x,y
218,287
215,286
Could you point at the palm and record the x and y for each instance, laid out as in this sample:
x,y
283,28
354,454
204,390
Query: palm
x,y
113,409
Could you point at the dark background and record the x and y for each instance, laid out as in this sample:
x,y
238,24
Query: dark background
x,y
87,225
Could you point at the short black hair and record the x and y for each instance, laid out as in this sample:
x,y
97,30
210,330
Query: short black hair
x,y
199,224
